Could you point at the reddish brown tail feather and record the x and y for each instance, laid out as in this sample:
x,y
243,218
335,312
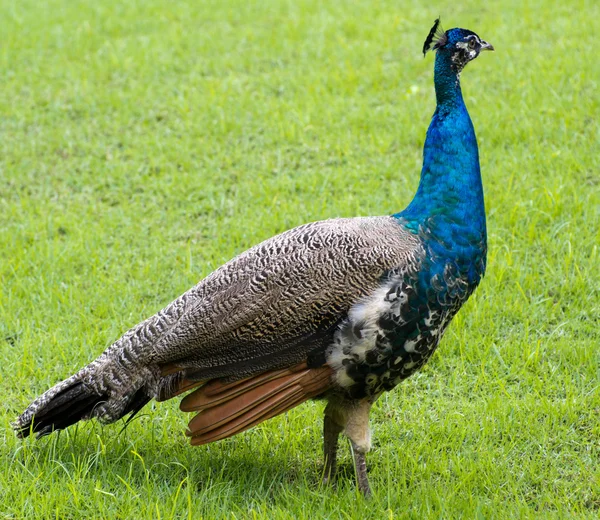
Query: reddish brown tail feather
x,y
225,409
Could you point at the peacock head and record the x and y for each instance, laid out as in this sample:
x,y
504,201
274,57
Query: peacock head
x,y
460,46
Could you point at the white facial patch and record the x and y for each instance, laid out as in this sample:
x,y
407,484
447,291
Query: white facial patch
x,y
466,46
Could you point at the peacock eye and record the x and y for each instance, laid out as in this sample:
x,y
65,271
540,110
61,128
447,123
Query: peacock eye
x,y
472,43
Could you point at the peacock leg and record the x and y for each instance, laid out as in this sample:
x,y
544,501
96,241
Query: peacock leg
x,y
357,430
360,463
331,434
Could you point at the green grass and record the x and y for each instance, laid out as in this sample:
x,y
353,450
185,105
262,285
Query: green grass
x,y
142,144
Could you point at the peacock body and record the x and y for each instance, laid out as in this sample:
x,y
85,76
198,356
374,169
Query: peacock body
x,y
342,309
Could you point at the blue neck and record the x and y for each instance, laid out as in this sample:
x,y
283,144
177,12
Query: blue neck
x,y
449,201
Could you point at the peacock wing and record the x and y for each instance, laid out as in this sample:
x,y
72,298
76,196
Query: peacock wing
x,y
275,304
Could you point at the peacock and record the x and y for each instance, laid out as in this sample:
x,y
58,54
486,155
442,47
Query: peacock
x,y
340,310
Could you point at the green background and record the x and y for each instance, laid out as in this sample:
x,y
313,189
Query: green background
x,y
143,144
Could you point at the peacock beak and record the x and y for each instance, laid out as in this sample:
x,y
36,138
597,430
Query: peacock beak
x,y
485,46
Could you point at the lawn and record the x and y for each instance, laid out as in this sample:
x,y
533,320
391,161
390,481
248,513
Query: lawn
x,y
143,144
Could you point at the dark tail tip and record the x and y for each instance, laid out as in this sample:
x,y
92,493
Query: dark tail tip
x,y
57,410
